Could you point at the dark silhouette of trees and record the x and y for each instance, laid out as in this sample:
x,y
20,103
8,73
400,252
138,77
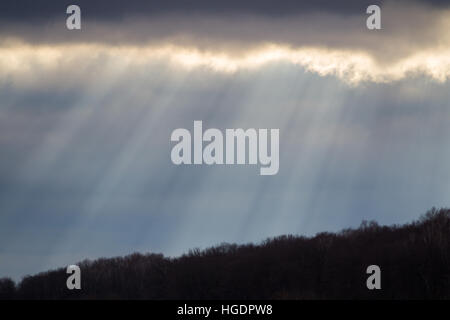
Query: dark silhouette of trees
x,y
7,289
414,261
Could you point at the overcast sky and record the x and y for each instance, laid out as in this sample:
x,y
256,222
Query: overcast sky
x,y
86,118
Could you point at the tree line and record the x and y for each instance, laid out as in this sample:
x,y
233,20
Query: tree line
x,y
414,259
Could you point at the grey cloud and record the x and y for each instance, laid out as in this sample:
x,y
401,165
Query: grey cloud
x,y
240,30
28,11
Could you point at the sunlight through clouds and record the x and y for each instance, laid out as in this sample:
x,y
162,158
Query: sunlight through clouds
x,y
25,63
86,119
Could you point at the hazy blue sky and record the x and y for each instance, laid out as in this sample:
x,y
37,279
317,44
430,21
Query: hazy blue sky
x,y
86,118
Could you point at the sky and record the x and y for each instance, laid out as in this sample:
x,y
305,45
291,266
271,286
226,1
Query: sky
x,y
86,118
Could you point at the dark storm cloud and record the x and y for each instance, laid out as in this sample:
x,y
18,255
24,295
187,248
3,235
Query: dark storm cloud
x,y
26,10
232,27
115,21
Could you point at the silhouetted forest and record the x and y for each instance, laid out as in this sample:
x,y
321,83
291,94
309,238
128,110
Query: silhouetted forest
x,y
414,261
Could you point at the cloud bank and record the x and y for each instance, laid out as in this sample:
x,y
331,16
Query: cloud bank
x,y
325,38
